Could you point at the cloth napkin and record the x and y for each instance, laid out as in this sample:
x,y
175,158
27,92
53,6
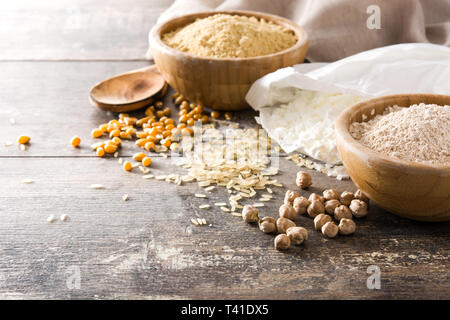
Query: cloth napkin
x,y
340,28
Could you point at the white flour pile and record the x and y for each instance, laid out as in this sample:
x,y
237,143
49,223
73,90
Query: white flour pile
x,y
420,133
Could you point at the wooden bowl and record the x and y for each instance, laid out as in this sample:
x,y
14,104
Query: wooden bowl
x,y
409,189
220,83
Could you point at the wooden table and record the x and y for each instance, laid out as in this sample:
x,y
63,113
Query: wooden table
x,y
50,55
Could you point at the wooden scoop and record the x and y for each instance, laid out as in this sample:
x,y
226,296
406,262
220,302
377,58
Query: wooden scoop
x,y
129,91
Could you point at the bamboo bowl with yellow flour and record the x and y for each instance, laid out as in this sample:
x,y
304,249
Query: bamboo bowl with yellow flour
x,y
414,190
219,77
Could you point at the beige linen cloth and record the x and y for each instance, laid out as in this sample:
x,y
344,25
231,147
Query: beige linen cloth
x,y
338,28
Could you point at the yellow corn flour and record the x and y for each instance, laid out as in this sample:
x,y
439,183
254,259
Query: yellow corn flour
x,y
231,36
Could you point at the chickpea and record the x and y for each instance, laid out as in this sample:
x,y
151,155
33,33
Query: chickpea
x,y
361,196
297,235
250,214
315,208
315,196
303,180
346,226
184,105
331,205
342,212
287,211
282,242
346,197
167,112
320,220
181,125
268,225
330,229
300,204
330,194
358,208
283,224
290,196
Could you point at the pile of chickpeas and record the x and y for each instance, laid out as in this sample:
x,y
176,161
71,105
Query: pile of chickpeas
x,y
323,208
156,131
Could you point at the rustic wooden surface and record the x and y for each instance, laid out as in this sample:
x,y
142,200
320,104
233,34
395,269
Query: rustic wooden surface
x,y
147,247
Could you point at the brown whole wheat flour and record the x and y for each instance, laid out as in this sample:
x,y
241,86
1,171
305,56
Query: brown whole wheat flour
x,y
420,133
230,36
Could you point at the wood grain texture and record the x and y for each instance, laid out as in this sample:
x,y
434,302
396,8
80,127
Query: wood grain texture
x,y
77,29
220,83
147,248
413,190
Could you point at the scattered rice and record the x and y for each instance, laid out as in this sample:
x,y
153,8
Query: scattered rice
x,y
220,204
116,154
236,214
210,188
148,176
8,143
194,221
27,181
97,186
225,209
200,195
161,177
258,205
22,147
51,218
125,197
63,217
204,206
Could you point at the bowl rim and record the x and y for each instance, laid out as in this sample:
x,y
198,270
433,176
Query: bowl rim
x,y
302,35
341,130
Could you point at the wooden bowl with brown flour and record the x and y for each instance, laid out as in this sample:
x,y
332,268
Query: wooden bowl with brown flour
x,y
411,189
221,81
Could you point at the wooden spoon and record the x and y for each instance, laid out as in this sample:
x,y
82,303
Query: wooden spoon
x,y
128,91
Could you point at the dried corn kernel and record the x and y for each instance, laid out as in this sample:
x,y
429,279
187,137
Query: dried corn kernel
x,y
116,140
215,115
187,132
114,133
96,133
127,166
23,139
146,161
149,146
110,147
139,156
75,141
100,152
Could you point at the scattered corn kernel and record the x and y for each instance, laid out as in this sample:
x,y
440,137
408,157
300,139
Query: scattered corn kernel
x,y
146,162
23,139
96,133
100,152
139,156
127,166
75,141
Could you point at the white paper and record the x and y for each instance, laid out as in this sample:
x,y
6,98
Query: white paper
x,y
402,68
